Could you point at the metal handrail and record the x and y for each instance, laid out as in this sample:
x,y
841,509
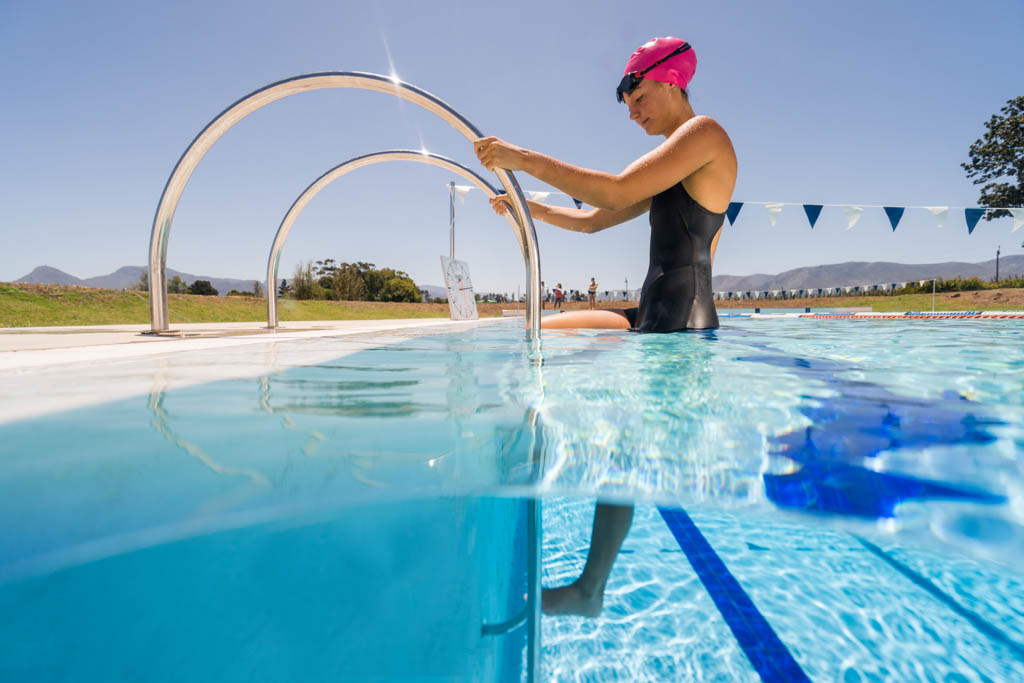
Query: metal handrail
x,y
274,260
159,319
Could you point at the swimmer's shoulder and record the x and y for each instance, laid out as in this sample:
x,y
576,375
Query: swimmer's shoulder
x,y
707,129
712,185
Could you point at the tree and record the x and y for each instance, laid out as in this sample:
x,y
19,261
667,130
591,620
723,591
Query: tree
x,y
176,285
305,284
377,279
999,154
257,289
400,289
347,283
143,284
202,287
324,267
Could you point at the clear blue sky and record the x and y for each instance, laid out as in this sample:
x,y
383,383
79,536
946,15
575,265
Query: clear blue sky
x,y
871,102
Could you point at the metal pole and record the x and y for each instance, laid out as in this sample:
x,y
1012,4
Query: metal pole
x,y
159,319
933,295
451,221
274,260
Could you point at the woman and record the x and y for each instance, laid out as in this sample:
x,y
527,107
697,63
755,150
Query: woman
x,y
685,183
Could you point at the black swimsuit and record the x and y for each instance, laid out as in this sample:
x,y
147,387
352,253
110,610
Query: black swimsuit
x,y
677,291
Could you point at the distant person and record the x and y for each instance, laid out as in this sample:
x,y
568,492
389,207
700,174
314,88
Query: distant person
x,y
685,185
559,296
545,296
592,294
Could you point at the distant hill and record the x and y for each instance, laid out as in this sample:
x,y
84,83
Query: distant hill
x,y
866,273
127,277
832,275
433,291
48,275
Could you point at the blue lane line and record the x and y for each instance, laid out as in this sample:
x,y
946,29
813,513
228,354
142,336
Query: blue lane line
x,y
767,654
975,619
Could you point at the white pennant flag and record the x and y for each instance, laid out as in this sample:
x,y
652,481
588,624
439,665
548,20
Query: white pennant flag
x,y
940,213
774,209
1018,219
852,214
539,196
462,191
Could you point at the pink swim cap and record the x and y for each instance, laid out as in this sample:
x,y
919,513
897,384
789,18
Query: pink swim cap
x,y
677,69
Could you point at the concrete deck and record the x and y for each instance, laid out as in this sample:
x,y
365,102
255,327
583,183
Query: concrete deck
x,y
46,370
33,346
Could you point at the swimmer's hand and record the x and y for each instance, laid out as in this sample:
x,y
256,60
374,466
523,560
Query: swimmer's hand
x,y
495,153
502,205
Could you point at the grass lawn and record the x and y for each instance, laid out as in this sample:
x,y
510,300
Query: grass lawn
x,y
25,305
31,305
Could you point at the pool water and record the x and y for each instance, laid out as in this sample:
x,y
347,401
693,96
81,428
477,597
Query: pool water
x,y
831,499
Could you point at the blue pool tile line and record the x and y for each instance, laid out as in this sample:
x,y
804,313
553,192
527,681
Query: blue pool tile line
x,y
766,652
975,619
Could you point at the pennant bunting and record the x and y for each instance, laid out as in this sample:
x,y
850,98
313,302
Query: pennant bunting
x,y
812,211
972,216
940,213
895,213
852,214
733,211
1018,219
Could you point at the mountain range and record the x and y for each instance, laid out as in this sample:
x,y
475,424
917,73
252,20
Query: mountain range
x,y
832,275
866,273
127,277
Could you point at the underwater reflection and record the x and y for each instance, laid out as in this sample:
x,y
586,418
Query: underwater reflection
x,y
685,375
832,457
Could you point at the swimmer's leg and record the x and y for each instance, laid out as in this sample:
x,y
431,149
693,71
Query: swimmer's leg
x,y
602,320
585,596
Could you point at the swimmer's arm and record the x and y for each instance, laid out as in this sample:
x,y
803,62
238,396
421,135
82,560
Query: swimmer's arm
x,y
577,220
692,146
587,220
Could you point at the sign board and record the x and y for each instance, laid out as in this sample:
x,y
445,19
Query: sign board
x,y
461,302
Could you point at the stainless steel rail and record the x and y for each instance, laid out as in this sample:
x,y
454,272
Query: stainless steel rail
x,y
159,319
274,260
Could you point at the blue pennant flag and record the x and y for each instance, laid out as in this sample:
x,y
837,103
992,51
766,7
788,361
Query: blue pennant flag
x,y
812,211
895,213
733,211
972,216
578,203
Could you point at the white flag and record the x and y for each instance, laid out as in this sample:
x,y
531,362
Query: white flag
x,y
1018,219
852,214
774,209
940,213
538,196
462,191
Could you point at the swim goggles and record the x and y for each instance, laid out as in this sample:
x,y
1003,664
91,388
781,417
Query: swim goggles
x,y
631,81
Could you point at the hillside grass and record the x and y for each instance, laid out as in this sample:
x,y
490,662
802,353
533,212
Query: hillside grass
x,y
31,305
24,305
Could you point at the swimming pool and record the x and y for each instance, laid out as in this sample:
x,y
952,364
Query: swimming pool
x,y
813,500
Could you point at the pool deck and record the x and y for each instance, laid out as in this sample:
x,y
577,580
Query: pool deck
x,y
35,346
51,369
